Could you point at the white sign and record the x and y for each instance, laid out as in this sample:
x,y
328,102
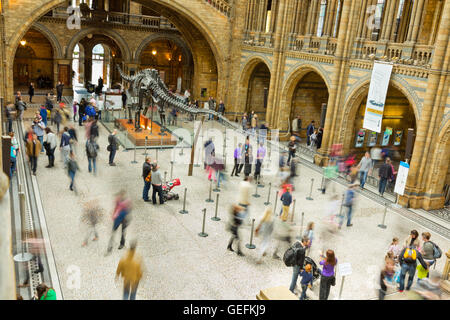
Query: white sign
x,y
345,269
379,83
402,175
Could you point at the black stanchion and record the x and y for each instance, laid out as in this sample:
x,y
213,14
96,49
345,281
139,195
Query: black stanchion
x,y
203,234
184,211
293,212
382,225
268,195
210,189
215,218
171,170
321,184
275,205
134,156
165,177
310,192
251,245
299,237
156,154
145,153
256,195
181,143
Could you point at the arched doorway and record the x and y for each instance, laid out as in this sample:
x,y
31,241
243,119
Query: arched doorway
x,y
173,62
96,55
398,117
258,90
309,101
34,62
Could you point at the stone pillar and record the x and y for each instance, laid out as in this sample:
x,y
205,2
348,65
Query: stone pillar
x,y
330,17
420,191
362,19
416,21
276,75
339,79
434,27
303,18
389,19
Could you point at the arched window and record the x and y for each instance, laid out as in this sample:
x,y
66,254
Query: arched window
x,y
98,57
322,12
76,64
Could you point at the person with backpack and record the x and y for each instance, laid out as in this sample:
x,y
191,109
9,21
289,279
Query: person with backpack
x,y
295,257
91,153
112,147
408,263
429,250
234,222
147,176
327,278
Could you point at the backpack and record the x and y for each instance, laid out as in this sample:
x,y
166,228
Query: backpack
x,y
290,256
437,252
410,255
92,151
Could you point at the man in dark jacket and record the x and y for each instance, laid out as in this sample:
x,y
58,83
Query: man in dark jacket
x,y
113,146
146,175
31,91
408,262
81,111
59,91
299,261
309,131
385,173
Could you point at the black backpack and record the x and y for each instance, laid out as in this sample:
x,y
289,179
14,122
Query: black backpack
x,y
290,256
91,149
437,252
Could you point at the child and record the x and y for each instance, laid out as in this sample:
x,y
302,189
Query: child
x,y
386,277
422,273
395,248
92,216
309,233
306,282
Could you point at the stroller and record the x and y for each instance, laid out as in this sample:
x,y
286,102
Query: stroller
x,y
167,188
315,270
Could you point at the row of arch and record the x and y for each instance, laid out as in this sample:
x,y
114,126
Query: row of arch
x,y
306,88
59,53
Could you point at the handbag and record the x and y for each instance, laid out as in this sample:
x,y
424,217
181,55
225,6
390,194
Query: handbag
x,y
333,280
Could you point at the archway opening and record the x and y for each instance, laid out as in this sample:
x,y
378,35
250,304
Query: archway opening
x,y
96,56
398,117
258,90
34,62
309,101
173,62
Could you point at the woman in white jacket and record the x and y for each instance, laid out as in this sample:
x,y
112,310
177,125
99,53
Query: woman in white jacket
x,y
51,146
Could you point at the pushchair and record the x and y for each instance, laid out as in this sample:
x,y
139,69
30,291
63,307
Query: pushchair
x,y
315,270
167,188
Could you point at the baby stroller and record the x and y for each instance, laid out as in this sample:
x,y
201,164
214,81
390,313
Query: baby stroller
x,y
167,188
315,270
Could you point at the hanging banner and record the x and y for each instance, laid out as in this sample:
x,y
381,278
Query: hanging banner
x,y
379,83
402,175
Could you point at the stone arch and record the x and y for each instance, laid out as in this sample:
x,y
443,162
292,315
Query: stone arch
x,y
355,96
57,51
246,72
187,50
291,81
115,36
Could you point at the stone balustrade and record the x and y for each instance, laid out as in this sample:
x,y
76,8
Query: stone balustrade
x,y
259,39
222,5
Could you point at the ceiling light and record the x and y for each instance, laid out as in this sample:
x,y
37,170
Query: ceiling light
x,y
23,42
154,52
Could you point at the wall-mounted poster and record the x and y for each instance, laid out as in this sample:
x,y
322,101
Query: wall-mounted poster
x,y
398,137
386,136
372,139
360,138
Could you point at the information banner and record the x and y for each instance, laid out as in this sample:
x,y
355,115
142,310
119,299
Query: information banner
x,y
379,83
402,175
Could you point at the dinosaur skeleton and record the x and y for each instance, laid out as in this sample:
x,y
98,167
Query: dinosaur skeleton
x,y
148,82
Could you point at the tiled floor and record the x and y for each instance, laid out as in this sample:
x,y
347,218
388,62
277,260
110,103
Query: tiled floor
x,y
180,264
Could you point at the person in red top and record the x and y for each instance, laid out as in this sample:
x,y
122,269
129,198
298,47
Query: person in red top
x,y
120,217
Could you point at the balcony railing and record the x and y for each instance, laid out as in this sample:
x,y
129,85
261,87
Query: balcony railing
x,y
259,39
222,5
120,18
321,45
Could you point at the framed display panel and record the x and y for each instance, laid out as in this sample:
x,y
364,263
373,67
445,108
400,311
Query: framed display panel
x,y
398,137
386,136
360,138
372,138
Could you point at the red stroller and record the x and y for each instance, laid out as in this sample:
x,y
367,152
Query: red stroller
x,y
167,188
